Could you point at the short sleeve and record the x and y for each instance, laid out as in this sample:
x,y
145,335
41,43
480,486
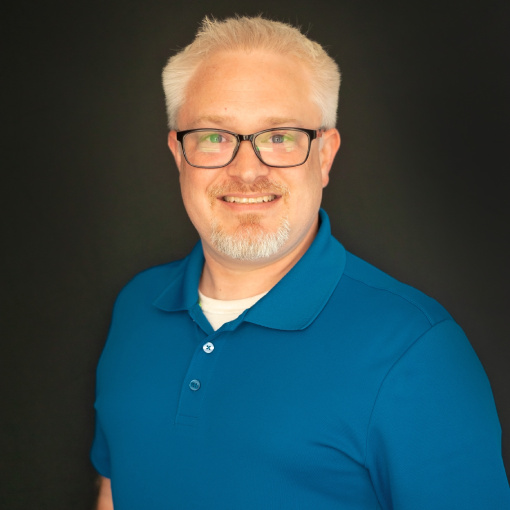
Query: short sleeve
x,y
434,439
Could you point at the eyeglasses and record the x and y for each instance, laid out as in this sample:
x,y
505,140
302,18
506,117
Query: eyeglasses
x,y
278,147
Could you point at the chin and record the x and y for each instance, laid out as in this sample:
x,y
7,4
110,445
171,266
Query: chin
x,y
250,241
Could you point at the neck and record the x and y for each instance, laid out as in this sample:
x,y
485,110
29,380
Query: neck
x,y
230,279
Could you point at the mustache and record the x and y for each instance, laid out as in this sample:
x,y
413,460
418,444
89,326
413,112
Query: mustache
x,y
262,185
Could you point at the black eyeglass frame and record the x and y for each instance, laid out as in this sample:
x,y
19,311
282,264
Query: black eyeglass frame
x,y
311,133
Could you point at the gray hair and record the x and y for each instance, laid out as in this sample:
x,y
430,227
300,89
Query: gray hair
x,y
249,33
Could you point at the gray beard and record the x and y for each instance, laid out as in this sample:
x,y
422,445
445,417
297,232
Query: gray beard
x,y
250,242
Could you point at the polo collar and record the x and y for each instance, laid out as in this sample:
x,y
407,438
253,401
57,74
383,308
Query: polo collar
x,y
182,293
292,304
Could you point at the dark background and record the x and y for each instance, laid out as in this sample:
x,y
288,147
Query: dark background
x,y
90,194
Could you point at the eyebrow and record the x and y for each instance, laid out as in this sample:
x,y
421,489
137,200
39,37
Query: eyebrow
x,y
281,121
213,119
226,119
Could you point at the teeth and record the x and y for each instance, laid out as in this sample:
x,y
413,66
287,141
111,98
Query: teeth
x,y
251,200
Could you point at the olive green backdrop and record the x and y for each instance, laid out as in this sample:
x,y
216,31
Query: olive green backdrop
x,y
90,194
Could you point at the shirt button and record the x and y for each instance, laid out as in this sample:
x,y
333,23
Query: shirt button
x,y
194,384
208,347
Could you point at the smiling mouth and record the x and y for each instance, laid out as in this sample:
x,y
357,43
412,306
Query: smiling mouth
x,y
249,200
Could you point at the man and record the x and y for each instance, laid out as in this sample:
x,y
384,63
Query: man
x,y
271,368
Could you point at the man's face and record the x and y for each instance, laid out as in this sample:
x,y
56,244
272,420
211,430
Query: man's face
x,y
248,211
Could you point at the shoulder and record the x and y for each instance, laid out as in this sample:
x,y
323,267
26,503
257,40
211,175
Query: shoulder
x,y
150,283
377,290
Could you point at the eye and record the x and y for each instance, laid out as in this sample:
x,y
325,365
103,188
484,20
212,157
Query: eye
x,y
212,138
277,139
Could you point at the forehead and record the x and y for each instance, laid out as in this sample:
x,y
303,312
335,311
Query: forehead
x,y
244,91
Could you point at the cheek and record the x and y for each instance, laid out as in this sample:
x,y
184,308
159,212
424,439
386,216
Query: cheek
x,y
312,181
190,182
185,187
194,195
188,192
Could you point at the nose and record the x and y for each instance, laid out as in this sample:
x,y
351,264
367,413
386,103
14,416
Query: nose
x,y
246,165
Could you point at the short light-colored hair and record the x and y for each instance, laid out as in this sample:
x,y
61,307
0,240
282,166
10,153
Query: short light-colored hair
x,y
246,34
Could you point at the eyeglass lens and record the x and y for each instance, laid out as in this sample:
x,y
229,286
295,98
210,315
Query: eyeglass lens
x,y
278,147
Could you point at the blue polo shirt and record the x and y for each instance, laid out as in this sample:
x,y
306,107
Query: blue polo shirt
x,y
340,389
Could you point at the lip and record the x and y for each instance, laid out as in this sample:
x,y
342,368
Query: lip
x,y
244,202
243,199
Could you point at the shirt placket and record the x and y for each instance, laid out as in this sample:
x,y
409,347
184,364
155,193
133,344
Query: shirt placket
x,y
196,384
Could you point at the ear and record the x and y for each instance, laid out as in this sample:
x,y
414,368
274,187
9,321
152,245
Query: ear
x,y
175,148
330,143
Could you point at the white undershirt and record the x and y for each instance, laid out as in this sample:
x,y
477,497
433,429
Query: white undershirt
x,y
219,311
